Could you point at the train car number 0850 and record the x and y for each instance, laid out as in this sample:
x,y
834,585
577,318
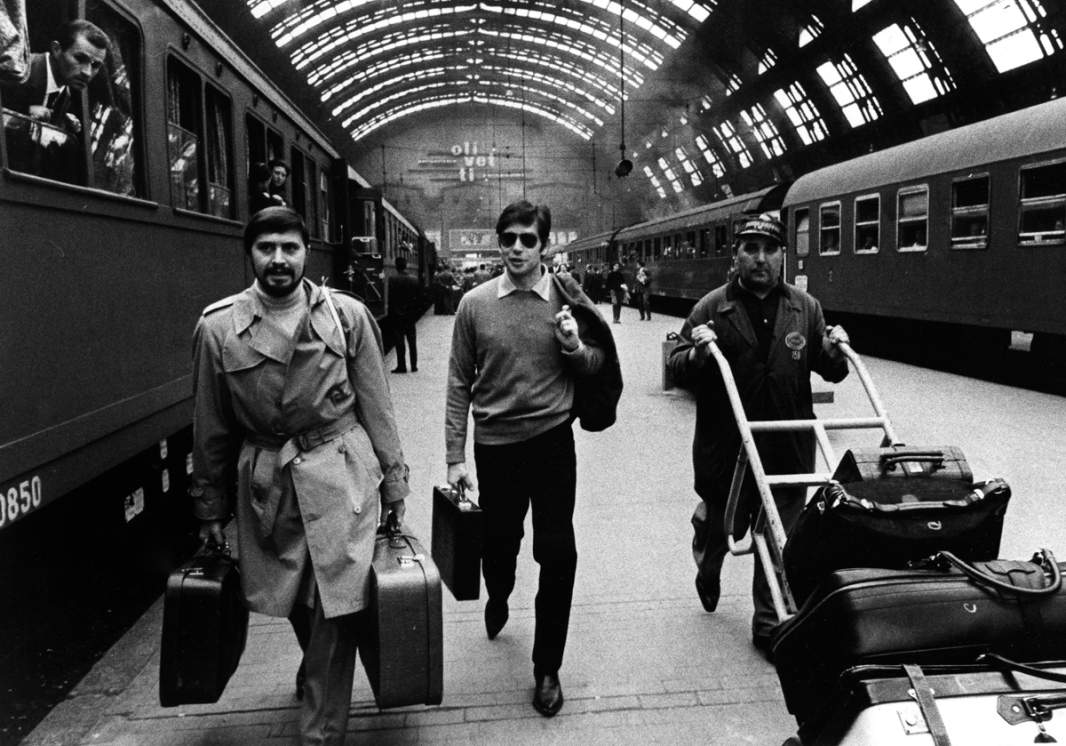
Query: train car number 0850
x,y
19,499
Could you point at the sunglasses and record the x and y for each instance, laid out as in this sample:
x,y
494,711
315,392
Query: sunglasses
x,y
529,240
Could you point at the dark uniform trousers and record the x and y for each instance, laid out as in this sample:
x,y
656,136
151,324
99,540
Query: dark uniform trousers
x,y
709,543
540,472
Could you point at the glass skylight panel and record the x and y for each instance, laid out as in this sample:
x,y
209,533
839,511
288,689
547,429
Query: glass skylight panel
x,y
732,84
260,8
850,90
767,61
573,47
729,137
690,168
655,182
801,113
709,155
1008,31
811,31
705,103
856,4
911,56
671,177
764,130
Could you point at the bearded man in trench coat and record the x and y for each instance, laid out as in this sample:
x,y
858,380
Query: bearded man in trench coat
x,y
292,404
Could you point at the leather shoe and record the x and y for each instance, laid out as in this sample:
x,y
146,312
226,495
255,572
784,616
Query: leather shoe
x,y
762,644
548,697
301,676
496,615
399,370
709,593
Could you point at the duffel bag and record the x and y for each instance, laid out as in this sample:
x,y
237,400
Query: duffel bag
x,y
906,521
951,612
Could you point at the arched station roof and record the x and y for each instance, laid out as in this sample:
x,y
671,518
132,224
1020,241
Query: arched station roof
x,y
722,96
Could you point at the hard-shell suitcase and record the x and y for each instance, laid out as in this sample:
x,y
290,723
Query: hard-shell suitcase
x,y
862,616
975,704
402,649
205,625
873,465
457,529
838,529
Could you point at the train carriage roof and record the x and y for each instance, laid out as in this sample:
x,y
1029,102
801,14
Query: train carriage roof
x,y
1018,134
760,201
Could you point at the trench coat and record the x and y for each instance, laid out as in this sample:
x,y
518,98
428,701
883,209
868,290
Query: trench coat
x,y
308,435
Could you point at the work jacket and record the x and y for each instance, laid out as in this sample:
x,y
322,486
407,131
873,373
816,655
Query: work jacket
x,y
778,387
309,437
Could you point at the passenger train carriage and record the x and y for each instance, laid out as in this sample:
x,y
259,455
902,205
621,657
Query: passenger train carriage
x,y
116,239
957,239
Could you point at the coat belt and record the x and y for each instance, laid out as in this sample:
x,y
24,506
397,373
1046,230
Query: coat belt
x,y
288,448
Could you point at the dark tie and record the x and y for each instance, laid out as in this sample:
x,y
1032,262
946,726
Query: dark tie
x,y
59,102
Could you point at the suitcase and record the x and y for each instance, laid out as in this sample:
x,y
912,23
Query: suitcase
x,y
205,626
872,465
457,529
862,616
838,529
975,704
402,648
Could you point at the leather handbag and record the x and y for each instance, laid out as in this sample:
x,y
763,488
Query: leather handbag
x,y
904,521
457,538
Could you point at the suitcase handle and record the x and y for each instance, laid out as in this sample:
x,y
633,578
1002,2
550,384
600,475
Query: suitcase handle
x,y
1007,665
1044,558
889,461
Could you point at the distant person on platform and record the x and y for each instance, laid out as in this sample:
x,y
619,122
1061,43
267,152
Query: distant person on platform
x,y
444,286
641,285
292,407
404,297
774,335
516,353
52,92
616,287
481,275
279,180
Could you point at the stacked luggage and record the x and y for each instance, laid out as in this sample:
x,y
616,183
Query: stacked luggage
x,y
898,617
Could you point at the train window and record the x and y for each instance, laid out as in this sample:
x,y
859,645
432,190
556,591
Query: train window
x,y
803,232
705,242
1042,217
183,138
303,192
657,247
912,221
325,213
867,224
969,213
721,239
90,137
829,228
690,240
219,153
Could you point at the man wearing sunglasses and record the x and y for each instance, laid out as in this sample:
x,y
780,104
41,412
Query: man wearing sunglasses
x,y
774,335
516,352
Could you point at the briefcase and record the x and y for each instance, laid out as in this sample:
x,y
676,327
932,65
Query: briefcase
x,y
905,521
937,615
402,650
457,530
205,626
873,465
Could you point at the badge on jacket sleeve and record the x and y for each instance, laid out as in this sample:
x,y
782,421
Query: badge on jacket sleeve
x,y
795,342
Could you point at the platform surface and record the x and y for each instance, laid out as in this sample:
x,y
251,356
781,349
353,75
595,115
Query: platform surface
x,y
644,663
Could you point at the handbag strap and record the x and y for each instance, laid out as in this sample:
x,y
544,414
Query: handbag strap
x,y
336,317
927,704
1044,558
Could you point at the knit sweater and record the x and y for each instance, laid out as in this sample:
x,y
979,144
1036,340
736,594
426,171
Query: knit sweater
x,y
508,367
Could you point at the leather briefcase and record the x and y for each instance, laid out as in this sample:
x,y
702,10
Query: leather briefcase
x,y
906,520
205,626
403,647
457,531
950,614
902,462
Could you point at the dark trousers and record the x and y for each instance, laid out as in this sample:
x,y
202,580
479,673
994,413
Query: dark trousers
x,y
642,305
541,472
616,304
403,330
709,546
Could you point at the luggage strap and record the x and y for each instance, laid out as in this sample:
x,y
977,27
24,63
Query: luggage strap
x,y
923,693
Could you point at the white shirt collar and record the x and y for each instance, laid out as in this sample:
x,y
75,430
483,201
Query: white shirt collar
x,y
541,288
52,86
